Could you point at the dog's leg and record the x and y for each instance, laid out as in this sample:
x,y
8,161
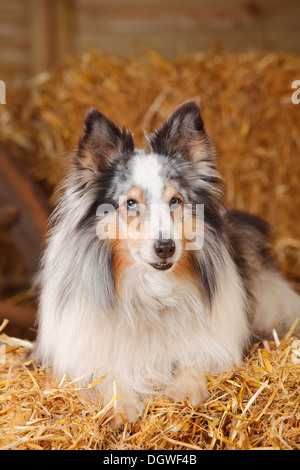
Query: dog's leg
x,y
277,304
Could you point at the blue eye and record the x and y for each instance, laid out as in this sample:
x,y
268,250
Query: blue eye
x,y
131,204
175,201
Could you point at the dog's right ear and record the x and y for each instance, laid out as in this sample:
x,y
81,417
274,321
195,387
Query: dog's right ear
x,y
102,141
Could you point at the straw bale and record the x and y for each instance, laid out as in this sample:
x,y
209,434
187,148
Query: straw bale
x,y
254,406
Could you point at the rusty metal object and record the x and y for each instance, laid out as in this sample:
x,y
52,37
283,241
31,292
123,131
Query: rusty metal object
x,y
8,216
17,189
21,315
24,212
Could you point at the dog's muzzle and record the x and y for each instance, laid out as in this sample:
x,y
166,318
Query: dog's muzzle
x,y
164,249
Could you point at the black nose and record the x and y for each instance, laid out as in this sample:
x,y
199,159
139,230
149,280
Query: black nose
x,y
164,248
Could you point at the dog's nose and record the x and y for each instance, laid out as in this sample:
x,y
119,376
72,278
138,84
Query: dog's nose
x,y
164,248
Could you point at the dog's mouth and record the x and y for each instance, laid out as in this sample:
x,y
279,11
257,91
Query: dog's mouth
x,y
162,266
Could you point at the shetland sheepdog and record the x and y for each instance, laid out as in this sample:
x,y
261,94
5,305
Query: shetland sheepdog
x,y
147,279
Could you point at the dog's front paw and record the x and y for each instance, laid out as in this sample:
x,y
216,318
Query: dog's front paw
x,y
126,413
127,408
189,384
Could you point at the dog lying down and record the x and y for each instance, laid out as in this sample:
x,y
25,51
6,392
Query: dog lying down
x,y
147,277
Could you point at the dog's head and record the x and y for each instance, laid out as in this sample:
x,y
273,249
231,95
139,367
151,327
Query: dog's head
x,y
149,204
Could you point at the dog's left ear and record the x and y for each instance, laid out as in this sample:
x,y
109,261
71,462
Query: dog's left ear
x,y
102,141
183,133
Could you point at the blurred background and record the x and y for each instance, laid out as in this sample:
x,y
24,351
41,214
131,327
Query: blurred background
x,y
136,61
34,34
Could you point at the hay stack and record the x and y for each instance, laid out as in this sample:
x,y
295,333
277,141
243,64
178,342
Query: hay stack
x,y
255,406
247,107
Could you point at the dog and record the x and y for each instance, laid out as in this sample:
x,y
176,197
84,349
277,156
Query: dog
x,y
147,279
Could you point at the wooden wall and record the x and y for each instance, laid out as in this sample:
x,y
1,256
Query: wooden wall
x,y
34,34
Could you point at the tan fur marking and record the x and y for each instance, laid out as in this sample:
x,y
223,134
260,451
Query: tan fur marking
x,y
170,192
198,151
184,268
121,259
87,160
136,193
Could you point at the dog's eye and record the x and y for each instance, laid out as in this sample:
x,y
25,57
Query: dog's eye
x,y
131,204
174,202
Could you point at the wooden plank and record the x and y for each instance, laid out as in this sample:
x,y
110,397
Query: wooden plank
x,y
42,27
187,27
15,6
188,20
40,32
14,71
13,56
203,11
64,27
52,32
173,44
14,39
174,27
